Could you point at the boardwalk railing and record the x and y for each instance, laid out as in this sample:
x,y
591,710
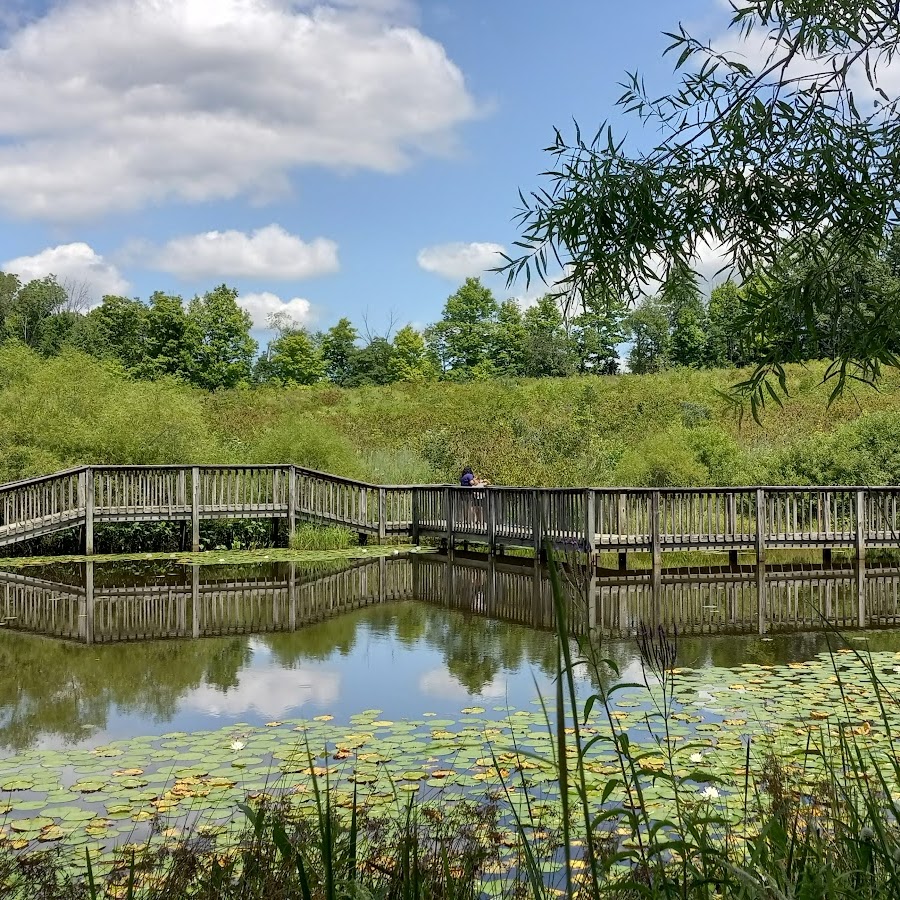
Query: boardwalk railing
x,y
586,520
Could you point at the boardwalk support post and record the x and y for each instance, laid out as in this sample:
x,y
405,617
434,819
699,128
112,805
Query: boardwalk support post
x,y
292,503
536,524
88,476
760,526
491,520
655,542
860,525
195,509
448,519
382,515
415,515
590,527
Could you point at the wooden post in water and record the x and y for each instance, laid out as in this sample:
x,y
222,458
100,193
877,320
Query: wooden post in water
x,y
292,597
861,591
760,526
491,520
89,602
860,525
88,476
761,596
195,601
292,502
195,509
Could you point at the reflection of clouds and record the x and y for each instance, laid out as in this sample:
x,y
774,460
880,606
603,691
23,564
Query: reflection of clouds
x,y
440,683
267,691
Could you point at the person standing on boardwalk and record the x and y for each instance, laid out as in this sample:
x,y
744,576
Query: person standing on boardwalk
x,y
470,480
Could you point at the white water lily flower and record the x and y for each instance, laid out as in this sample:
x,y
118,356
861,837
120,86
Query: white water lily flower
x,y
710,792
696,757
238,745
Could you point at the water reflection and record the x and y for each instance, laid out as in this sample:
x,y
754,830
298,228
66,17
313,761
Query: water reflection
x,y
407,635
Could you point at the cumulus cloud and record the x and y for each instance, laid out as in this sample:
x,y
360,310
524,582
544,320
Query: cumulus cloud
x,y
198,100
263,306
76,265
459,260
269,252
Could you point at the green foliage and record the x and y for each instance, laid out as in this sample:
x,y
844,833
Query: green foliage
x,y
322,537
338,346
649,328
225,350
291,358
461,341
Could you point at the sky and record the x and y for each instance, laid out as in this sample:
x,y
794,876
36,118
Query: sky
x,y
351,158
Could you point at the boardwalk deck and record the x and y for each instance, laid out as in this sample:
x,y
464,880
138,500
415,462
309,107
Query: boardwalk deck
x,y
587,520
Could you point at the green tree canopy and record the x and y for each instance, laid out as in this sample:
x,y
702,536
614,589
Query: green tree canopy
x,y
225,350
339,351
463,337
801,145
292,358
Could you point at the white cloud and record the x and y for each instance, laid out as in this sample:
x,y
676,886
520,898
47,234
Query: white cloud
x,y
205,99
264,305
269,252
269,691
441,683
77,266
458,260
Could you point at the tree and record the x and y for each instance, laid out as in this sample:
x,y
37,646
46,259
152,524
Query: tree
x,y
598,330
649,328
688,319
339,351
173,339
117,329
225,350
292,358
726,344
800,145
546,351
29,308
410,360
509,340
463,338
373,364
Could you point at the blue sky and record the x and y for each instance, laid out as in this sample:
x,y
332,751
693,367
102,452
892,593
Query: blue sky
x,y
318,156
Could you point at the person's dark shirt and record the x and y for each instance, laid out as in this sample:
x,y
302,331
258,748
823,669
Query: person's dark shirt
x,y
467,480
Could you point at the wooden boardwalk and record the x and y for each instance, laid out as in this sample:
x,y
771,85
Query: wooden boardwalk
x,y
586,520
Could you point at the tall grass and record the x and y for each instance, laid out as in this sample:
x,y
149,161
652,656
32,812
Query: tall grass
x,y
322,537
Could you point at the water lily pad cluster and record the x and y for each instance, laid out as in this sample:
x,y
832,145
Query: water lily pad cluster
x,y
160,788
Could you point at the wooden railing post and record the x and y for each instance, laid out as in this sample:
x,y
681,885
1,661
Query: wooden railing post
x,y
292,501
590,521
491,519
195,509
536,523
731,517
448,518
88,475
860,524
181,488
655,541
382,515
761,519
414,526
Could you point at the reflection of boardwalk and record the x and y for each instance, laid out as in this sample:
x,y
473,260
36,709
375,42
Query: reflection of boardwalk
x,y
748,600
196,608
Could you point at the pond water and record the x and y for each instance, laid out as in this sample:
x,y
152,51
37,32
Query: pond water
x,y
100,653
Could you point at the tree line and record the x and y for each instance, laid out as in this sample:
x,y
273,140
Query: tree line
x,y
207,341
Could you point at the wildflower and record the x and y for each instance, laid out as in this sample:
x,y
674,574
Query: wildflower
x,y
696,757
710,793
866,834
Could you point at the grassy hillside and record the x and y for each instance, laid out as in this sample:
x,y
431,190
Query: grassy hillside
x,y
674,428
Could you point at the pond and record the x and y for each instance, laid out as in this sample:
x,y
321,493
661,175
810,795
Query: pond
x,y
117,679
